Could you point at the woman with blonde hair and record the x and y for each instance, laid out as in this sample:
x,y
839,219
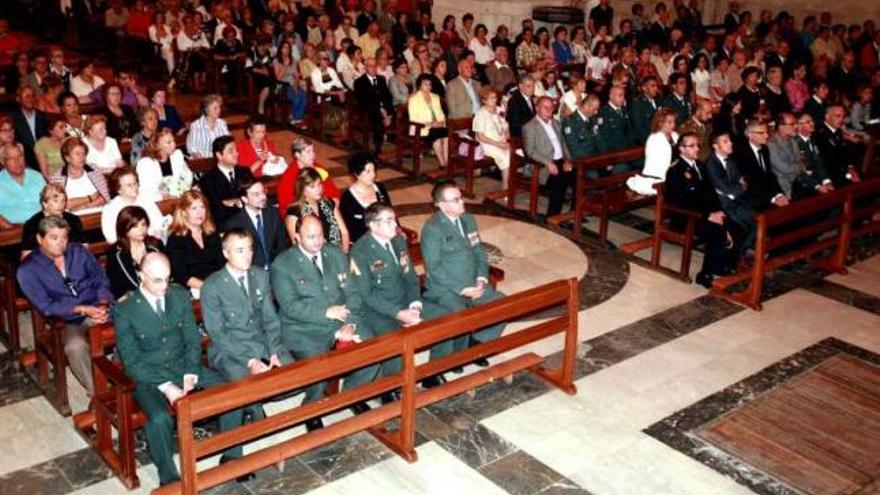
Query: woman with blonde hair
x,y
493,132
313,202
659,149
104,151
194,247
85,187
162,171
53,200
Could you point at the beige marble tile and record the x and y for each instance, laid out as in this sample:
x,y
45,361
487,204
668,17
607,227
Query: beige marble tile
x,y
863,276
33,432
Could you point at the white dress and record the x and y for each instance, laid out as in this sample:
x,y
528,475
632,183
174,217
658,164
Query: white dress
x,y
111,211
658,156
495,127
149,173
701,79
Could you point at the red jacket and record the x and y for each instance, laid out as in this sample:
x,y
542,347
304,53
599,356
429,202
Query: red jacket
x,y
287,183
247,155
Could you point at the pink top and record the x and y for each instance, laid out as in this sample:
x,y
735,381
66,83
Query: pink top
x,y
798,93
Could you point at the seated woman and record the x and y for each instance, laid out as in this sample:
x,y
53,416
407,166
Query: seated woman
x,y
168,116
303,157
658,153
363,192
424,108
124,188
104,152
149,120
330,90
52,87
313,202
162,171
70,113
193,242
86,188
204,130
257,151
493,132
289,82
131,229
86,82
400,85
54,202
121,120
48,148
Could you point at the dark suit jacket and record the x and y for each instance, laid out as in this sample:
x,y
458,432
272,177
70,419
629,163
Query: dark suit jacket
x,y
641,113
834,153
763,185
691,189
217,188
274,232
728,184
371,98
518,112
27,138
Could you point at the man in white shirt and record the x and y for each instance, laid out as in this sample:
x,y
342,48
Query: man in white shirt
x,y
543,143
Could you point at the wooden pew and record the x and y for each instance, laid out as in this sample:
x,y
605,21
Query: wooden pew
x,y
518,180
408,140
404,343
780,228
606,195
461,133
665,232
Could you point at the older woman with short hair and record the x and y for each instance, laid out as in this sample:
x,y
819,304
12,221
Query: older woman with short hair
x,y
125,189
86,188
53,200
103,152
204,130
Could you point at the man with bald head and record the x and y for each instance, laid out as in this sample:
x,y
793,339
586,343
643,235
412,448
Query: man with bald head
x,y
374,99
161,349
319,305
700,124
615,126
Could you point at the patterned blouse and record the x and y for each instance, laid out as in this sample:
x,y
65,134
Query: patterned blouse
x,y
325,212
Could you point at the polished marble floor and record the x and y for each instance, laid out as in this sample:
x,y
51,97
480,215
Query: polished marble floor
x,y
657,359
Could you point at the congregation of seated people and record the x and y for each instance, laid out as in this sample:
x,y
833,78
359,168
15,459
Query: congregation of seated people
x,y
759,116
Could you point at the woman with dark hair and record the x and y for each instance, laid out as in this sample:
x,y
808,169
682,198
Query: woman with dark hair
x,y
122,122
438,78
312,201
193,242
167,114
48,148
69,105
86,82
133,243
400,85
85,188
448,33
730,119
700,76
362,193
424,108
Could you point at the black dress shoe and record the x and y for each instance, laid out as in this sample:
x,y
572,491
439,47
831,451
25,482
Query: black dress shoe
x,y
704,279
243,478
314,424
359,408
433,381
458,369
389,397
481,362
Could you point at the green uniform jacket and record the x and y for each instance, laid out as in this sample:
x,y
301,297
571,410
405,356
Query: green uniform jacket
x,y
153,350
385,284
242,326
641,114
581,135
682,106
452,261
304,294
615,132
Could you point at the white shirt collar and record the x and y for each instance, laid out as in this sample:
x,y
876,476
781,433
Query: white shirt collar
x,y
151,299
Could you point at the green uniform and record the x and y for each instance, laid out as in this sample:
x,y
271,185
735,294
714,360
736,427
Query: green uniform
x,y
388,283
304,293
615,133
641,114
454,260
242,322
581,135
156,350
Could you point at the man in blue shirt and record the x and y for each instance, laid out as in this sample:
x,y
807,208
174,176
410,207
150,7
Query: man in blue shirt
x,y
20,189
63,280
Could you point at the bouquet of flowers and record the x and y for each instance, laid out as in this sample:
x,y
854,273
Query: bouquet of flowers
x,y
174,186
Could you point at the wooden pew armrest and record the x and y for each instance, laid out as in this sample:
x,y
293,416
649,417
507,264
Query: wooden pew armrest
x,y
114,374
668,208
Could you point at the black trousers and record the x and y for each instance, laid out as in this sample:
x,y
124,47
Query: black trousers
x,y
557,185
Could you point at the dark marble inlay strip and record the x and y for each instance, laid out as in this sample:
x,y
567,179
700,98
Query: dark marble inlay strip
x,y
678,430
518,473
15,386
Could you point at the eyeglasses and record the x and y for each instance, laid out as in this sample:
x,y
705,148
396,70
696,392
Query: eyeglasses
x,y
386,221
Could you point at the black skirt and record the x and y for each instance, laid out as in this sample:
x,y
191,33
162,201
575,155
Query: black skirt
x,y
434,134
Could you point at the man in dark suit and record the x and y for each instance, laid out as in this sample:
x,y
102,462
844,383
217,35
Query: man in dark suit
x,y
818,102
678,98
733,18
220,183
753,158
781,57
730,186
688,186
643,108
260,220
161,349
520,106
838,149
815,176
30,124
374,99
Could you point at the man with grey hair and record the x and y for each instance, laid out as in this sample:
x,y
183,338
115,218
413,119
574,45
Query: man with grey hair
x,y
63,280
543,142
498,72
521,106
789,162
20,188
753,158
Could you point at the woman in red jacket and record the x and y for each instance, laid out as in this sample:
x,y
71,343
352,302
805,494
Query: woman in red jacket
x,y
303,157
257,151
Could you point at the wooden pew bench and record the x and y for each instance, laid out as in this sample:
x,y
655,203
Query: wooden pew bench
x,y
462,135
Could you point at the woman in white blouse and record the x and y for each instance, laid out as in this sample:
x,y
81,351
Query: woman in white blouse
x,y
599,64
479,44
658,153
124,187
350,65
493,133
325,80
86,82
160,33
104,154
701,77
163,171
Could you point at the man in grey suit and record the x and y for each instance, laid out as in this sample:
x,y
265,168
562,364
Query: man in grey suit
x,y
260,220
319,305
462,93
239,314
789,162
543,142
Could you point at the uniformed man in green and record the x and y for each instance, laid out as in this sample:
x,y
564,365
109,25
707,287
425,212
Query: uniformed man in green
x,y
388,284
700,124
160,346
581,128
318,305
643,108
239,315
615,128
456,262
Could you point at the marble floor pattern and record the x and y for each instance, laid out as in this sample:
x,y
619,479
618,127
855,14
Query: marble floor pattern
x,y
652,350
